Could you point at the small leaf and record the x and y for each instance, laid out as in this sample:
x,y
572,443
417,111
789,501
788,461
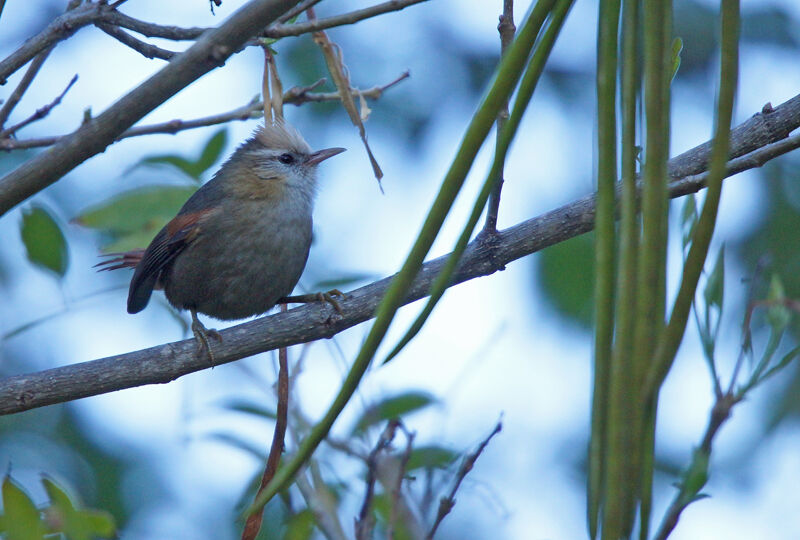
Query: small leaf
x,y
715,286
193,168
20,520
248,407
393,407
133,218
677,47
688,220
430,457
212,151
76,524
778,315
44,241
300,526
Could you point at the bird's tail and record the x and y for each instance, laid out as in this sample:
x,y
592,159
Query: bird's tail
x,y
115,261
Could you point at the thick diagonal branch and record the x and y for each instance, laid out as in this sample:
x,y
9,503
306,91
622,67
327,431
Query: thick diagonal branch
x,y
210,51
485,255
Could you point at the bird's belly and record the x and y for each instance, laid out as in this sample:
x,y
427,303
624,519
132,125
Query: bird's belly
x,y
243,277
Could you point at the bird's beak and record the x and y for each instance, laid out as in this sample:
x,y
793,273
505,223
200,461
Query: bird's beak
x,y
321,155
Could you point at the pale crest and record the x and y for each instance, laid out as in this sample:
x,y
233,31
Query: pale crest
x,y
282,136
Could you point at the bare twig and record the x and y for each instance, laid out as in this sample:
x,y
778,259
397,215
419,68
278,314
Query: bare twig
x,y
279,30
366,519
253,523
397,485
446,503
59,29
23,85
145,49
40,113
296,11
506,30
177,33
313,321
297,96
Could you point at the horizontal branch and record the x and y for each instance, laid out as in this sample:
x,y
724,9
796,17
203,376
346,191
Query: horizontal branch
x,y
209,52
485,255
177,33
255,109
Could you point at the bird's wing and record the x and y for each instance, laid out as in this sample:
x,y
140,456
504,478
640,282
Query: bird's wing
x,y
168,243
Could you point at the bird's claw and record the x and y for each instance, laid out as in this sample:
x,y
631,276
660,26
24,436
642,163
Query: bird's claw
x,y
201,334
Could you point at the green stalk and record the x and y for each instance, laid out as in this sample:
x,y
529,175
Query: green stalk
x,y
695,260
508,73
608,28
527,86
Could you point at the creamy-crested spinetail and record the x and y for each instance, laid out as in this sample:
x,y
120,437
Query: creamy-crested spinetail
x,y
241,241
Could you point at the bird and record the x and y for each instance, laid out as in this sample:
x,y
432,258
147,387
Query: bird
x,y
240,243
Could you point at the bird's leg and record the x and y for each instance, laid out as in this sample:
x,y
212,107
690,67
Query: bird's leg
x,y
316,297
201,333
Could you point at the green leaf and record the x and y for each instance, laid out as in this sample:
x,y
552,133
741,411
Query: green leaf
x,y
393,407
44,241
566,278
21,519
194,168
133,218
74,523
300,526
715,286
688,220
778,315
248,407
675,59
430,457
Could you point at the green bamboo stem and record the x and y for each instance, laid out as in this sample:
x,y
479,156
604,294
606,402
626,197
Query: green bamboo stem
x,y
670,342
602,415
527,86
505,80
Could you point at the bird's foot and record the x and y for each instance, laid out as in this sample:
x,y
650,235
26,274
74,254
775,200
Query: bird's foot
x,y
201,334
316,297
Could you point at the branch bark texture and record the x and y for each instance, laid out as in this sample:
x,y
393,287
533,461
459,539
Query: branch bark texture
x,y
210,51
756,141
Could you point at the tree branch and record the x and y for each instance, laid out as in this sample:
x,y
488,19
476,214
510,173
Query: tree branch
x,y
23,85
751,141
145,49
296,96
209,52
59,29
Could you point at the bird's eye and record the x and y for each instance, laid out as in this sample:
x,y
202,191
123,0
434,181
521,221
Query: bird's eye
x,y
286,159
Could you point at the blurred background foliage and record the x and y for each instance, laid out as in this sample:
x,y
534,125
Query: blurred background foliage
x,y
119,479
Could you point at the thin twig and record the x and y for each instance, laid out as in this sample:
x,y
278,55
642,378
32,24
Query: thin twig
x,y
59,29
253,523
314,321
398,483
366,520
276,31
145,49
40,113
23,85
447,503
296,96
279,30
296,11
506,29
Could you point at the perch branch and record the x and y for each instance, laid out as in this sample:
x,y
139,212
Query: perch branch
x,y
164,363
